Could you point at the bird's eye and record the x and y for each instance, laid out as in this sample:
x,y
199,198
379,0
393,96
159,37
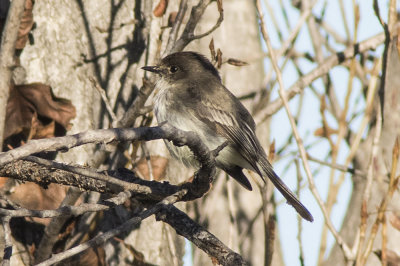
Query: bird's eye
x,y
173,69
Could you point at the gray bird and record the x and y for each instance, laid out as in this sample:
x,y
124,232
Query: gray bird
x,y
191,97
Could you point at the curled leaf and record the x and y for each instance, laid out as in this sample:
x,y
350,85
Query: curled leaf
x,y
25,25
160,9
212,49
219,58
395,221
219,5
172,18
158,165
236,62
34,112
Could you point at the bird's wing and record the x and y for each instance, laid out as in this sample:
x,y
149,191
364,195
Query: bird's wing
x,y
235,124
240,130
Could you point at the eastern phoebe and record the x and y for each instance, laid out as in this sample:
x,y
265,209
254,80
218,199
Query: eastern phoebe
x,y
191,97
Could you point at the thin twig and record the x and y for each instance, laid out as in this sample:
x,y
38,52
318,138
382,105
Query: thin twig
x,y
195,15
106,101
339,167
135,110
173,35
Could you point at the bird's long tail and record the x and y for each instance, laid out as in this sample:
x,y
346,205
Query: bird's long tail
x,y
266,170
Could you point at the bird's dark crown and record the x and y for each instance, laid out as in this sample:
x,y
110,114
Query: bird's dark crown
x,y
188,63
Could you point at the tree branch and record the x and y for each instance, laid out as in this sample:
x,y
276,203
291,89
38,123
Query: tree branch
x,y
195,15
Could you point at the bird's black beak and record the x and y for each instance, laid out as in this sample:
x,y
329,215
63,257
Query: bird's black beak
x,y
154,69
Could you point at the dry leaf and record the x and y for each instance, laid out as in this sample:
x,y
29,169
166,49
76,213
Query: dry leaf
x,y
212,49
172,18
325,132
219,5
91,257
25,25
158,165
219,58
236,62
395,221
271,153
32,196
160,9
34,112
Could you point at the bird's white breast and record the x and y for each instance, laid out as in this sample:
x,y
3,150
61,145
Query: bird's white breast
x,y
187,121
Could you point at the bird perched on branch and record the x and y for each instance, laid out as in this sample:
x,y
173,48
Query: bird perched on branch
x,y
191,97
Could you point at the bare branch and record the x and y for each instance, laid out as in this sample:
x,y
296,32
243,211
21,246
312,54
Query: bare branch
x,y
103,95
195,16
135,109
173,35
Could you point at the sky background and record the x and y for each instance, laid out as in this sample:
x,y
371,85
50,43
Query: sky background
x,y
309,119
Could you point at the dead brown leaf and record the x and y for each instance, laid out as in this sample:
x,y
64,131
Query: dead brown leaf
x,y
236,62
271,153
219,58
158,165
172,18
32,196
212,49
90,257
395,221
34,111
325,132
25,25
160,9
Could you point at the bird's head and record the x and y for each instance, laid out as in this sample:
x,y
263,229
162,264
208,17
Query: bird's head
x,y
184,65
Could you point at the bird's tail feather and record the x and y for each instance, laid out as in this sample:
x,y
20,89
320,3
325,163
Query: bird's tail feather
x,y
266,170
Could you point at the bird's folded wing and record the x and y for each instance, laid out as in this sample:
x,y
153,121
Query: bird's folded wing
x,y
233,128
